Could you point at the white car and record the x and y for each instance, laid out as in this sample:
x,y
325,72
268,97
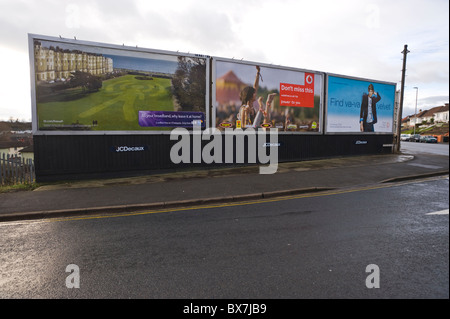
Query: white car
x,y
405,137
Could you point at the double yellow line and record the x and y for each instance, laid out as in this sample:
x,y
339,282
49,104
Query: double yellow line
x,y
243,203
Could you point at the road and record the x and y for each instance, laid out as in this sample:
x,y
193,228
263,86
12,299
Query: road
x,y
384,241
425,148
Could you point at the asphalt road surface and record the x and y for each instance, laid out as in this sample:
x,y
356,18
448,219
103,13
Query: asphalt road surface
x,y
425,148
385,241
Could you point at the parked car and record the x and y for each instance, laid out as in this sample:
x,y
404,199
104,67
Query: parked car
x,y
415,138
428,139
405,137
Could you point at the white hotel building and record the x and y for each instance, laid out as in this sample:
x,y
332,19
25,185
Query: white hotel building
x,y
52,64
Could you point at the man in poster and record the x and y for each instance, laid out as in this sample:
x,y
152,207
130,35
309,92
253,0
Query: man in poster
x,y
368,114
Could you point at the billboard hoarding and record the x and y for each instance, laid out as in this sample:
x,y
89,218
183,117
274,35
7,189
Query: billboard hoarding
x,y
288,99
356,106
81,87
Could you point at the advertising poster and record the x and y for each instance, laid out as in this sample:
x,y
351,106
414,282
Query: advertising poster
x,y
261,96
359,106
87,88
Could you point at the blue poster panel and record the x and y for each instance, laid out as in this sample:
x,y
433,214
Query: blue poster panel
x,y
359,106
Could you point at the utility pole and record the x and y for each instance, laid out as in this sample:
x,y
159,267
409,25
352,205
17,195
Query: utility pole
x,y
402,91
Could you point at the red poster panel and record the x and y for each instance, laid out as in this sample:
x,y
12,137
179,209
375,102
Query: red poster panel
x,y
298,95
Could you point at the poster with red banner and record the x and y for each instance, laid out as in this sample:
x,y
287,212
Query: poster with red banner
x,y
264,96
298,95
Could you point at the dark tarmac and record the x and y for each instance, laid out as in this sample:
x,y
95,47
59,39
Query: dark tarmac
x,y
205,186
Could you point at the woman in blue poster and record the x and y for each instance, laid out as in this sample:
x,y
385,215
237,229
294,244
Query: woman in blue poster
x,y
368,114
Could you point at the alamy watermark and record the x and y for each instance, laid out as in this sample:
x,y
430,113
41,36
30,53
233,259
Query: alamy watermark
x,y
73,16
234,150
373,16
73,280
373,279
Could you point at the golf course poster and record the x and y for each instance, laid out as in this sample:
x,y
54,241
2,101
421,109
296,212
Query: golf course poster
x,y
84,87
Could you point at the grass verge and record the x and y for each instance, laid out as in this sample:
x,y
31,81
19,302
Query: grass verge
x,y
18,187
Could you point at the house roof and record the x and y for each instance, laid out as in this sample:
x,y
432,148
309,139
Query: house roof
x,y
406,119
421,113
28,149
443,108
9,144
432,111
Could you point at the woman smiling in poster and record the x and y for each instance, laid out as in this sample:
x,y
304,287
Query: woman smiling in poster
x,y
368,114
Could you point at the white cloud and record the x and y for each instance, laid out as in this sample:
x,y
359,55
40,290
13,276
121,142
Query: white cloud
x,y
351,37
15,85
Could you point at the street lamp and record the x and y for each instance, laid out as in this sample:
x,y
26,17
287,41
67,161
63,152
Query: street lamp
x,y
415,111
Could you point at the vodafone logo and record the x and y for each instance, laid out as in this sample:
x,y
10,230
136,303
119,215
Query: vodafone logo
x,y
309,79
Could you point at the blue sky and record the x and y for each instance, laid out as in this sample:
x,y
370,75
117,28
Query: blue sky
x,y
271,76
349,37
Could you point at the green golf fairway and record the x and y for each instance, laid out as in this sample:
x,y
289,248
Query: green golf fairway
x,y
114,107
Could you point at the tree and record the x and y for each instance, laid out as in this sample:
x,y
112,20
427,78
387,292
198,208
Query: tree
x,y
94,83
85,80
188,84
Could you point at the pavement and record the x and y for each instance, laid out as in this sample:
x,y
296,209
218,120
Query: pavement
x,y
216,185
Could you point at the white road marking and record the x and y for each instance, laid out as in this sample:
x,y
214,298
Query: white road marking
x,y
425,165
441,212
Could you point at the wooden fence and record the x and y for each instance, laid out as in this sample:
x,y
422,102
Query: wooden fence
x,y
16,170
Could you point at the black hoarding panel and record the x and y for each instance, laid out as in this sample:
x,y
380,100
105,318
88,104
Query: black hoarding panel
x,y
60,157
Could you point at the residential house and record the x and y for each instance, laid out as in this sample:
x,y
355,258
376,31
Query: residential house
x,y
10,148
12,144
438,114
27,153
417,118
428,116
441,115
406,122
